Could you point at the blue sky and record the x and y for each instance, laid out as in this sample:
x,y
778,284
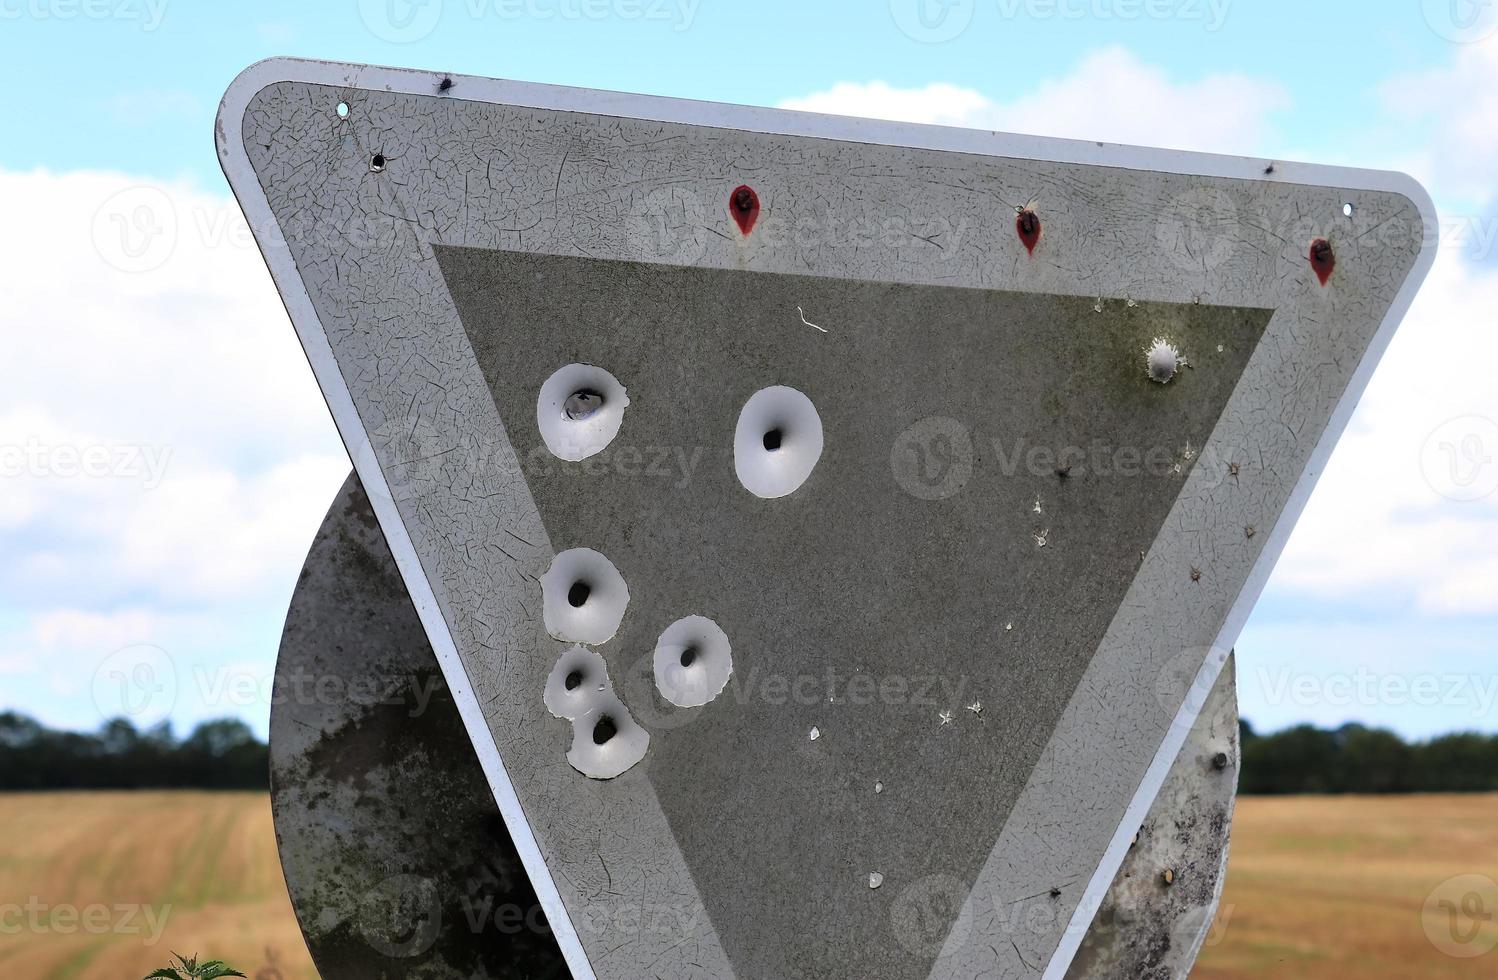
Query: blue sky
x,y
174,554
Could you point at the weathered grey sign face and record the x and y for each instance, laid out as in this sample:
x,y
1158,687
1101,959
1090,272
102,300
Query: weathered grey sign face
x,y
828,529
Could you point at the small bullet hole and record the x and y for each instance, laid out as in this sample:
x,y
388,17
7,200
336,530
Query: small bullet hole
x,y
578,594
1055,893
343,110
772,440
688,656
582,404
1220,761
743,205
444,85
377,162
573,680
604,730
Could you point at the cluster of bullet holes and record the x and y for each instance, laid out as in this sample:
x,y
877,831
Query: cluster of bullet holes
x,y
583,601
579,411
606,741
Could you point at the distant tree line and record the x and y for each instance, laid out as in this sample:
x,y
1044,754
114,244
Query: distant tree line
x,y
1357,759
217,755
226,755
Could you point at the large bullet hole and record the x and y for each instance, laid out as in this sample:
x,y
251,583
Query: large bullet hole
x,y
777,441
582,404
578,594
693,661
583,597
604,730
579,411
377,162
573,680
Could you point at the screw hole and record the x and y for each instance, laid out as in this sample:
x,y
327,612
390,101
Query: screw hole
x,y
604,730
772,440
578,594
343,110
377,162
573,680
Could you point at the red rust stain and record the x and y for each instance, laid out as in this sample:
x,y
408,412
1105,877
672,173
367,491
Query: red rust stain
x,y
1027,224
743,204
1323,259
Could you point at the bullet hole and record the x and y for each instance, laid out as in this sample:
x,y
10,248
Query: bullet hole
x,y
444,85
578,594
1162,360
1055,893
692,662
776,442
1027,225
1323,259
343,110
580,410
1269,170
1063,472
573,680
1220,761
583,598
743,205
377,163
1249,531
604,730
1196,574
582,404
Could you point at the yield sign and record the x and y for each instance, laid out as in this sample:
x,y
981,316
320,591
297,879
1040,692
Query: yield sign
x,y
828,528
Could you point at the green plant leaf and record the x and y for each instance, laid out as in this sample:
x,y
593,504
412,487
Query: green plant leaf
x,y
216,969
165,973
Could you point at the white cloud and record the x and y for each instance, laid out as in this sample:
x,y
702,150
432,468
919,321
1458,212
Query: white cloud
x,y
1111,96
1449,122
162,437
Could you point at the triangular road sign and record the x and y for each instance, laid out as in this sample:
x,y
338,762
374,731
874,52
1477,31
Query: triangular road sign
x,y
828,528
